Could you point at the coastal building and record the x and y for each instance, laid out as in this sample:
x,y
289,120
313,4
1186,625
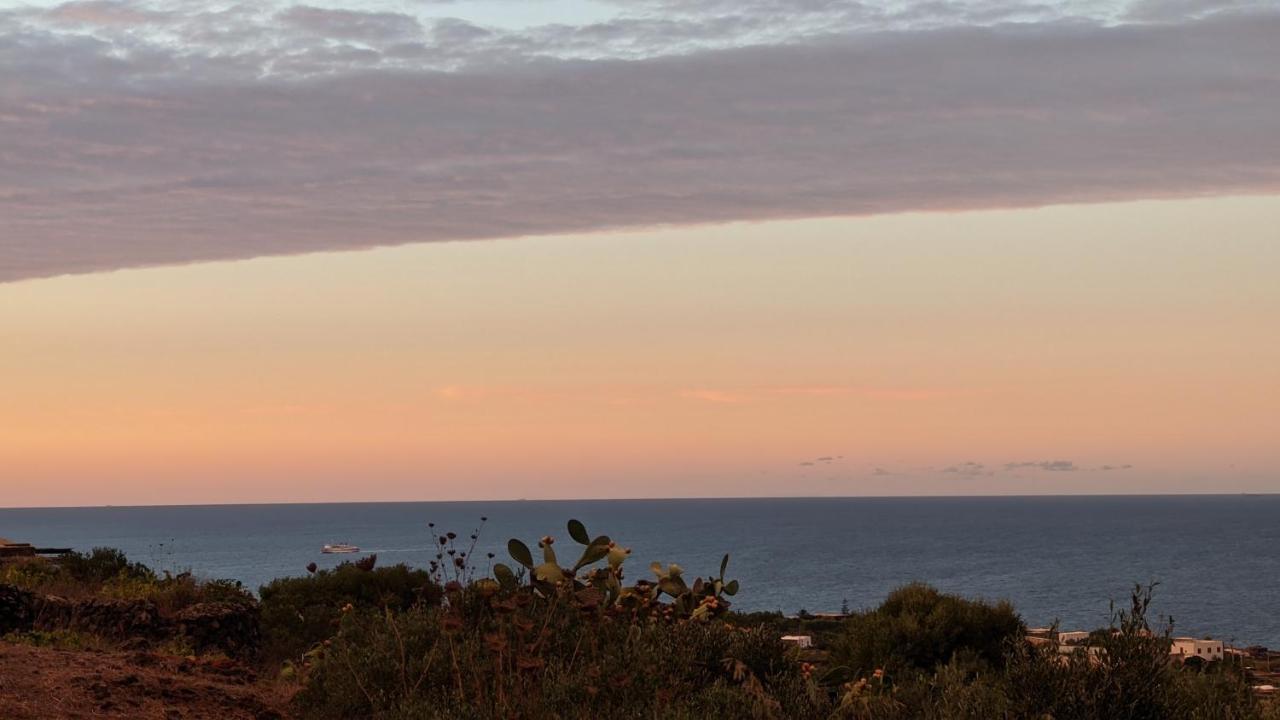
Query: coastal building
x,y
9,548
1185,648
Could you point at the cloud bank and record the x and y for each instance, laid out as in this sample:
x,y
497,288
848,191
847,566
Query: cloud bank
x,y
143,134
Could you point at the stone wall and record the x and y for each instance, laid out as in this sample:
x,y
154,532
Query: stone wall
x,y
17,609
111,619
230,628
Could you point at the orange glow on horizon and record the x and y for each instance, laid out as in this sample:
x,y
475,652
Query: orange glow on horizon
x,y
709,361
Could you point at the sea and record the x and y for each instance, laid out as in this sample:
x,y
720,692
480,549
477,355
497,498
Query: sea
x,y
1215,558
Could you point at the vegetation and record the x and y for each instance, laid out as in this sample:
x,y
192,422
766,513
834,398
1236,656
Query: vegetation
x,y
545,638
1127,675
543,658
107,573
102,566
298,614
918,628
59,639
556,641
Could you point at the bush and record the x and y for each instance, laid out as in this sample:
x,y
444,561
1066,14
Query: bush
x,y
174,593
102,565
543,658
107,573
919,628
299,613
30,573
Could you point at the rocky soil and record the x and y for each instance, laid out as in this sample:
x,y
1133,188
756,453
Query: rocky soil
x,y
47,684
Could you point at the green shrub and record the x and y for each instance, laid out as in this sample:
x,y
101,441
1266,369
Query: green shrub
x,y
30,574
920,628
76,574
103,564
299,613
172,593
107,573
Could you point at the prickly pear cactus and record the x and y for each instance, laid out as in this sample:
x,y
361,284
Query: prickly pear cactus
x,y
600,587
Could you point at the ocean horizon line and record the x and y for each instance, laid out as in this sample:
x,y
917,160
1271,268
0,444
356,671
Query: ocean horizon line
x,y
462,501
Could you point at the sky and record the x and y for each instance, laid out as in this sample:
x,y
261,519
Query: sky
x,y
411,250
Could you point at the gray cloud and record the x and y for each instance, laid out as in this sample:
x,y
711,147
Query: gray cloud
x,y
967,468
1048,465
121,151
373,27
95,13
824,460
1173,10
1062,466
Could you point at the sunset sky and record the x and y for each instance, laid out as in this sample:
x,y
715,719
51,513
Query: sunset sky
x,y
573,248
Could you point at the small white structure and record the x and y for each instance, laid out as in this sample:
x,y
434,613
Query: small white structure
x,y
800,641
1185,648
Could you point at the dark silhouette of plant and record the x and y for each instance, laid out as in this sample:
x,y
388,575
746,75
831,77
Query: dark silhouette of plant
x,y
602,586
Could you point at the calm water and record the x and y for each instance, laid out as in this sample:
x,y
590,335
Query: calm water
x,y
1215,556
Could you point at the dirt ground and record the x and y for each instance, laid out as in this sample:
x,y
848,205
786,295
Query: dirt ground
x,y
47,684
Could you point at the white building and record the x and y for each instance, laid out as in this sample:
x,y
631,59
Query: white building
x,y
802,641
1185,648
